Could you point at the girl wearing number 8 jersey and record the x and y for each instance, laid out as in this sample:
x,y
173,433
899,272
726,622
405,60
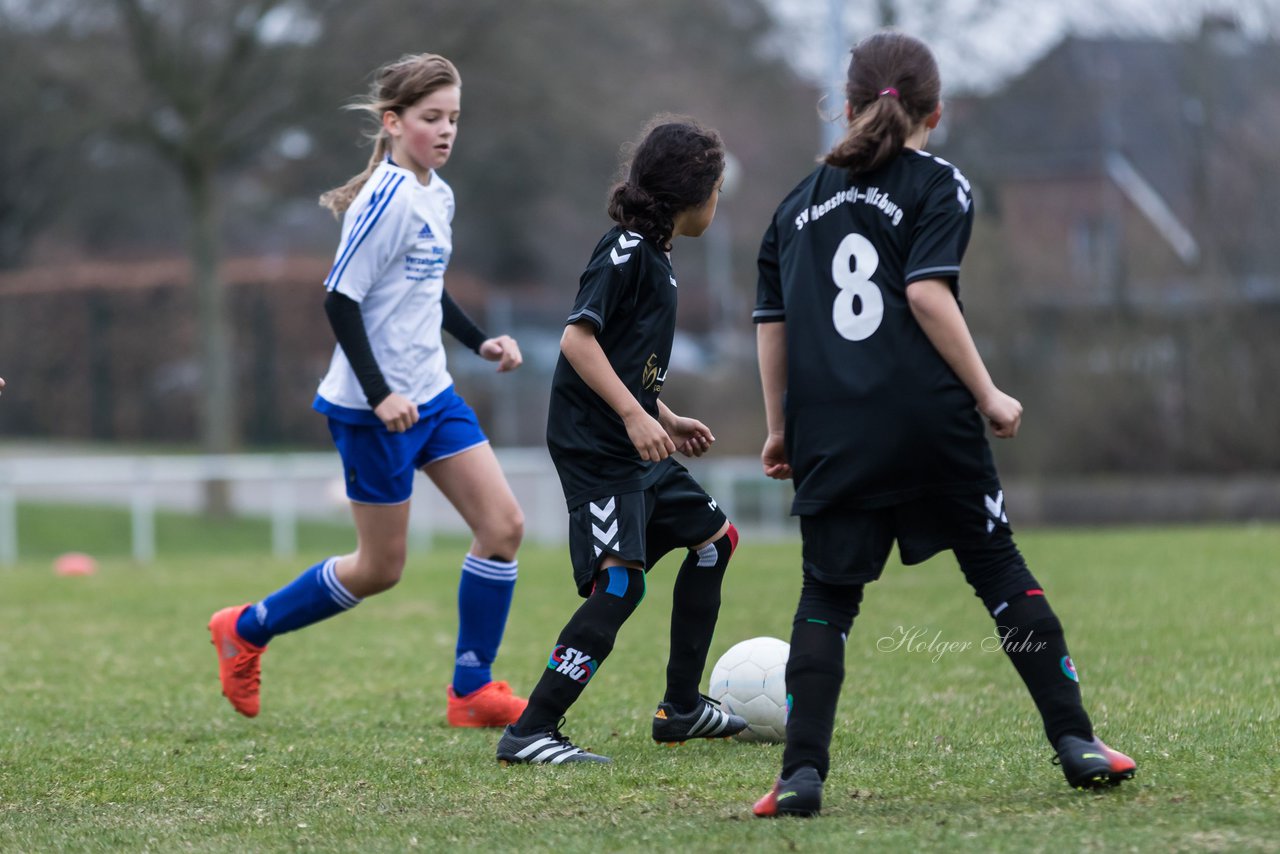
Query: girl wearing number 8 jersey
x,y
875,399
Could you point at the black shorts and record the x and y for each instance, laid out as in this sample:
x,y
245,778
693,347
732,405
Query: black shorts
x,y
849,545
676,512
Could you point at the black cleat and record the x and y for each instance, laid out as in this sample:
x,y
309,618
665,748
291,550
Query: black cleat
x,y
542,748
706,721
799,795
1090,764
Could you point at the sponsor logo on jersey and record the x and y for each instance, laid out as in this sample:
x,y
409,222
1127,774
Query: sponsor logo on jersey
x,y
576,664
653,377
429,263
426,231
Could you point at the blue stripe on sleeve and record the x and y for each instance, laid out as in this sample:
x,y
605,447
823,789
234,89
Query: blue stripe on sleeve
x,y
374,197
355,240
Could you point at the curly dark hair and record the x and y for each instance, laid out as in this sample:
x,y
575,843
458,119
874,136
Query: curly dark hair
x,y
674,167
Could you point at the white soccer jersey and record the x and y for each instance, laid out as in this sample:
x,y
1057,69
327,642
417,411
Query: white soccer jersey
x,y
396,240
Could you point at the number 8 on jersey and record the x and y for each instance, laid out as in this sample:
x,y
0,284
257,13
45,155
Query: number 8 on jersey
x,y
859,307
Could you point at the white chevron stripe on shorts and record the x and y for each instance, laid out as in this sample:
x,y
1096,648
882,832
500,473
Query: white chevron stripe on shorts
x,y
602,512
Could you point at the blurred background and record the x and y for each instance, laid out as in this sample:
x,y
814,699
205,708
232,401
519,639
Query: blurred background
x,y
162,252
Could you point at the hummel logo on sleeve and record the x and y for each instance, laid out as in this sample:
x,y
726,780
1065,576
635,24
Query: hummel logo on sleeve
x,y
625,244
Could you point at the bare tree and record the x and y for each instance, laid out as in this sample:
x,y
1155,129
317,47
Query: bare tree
x,y
42,115
205,88
210,75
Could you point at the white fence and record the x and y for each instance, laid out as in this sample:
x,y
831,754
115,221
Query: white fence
x,y
289,487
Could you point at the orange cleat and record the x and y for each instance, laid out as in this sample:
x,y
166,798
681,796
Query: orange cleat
x,y
492,705
1122,767
239,662
1091,764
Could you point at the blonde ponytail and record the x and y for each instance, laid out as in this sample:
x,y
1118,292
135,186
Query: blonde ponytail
x,y
340,198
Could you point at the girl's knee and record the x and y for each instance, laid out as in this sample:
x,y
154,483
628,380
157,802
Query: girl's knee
x,y
502,533
379,572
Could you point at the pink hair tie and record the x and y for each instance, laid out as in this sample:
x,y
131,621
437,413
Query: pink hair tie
x,y
889,91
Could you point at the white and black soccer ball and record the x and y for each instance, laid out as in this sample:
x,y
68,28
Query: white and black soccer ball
x,y
750,680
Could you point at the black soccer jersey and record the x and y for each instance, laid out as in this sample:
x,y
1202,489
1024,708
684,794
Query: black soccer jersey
x,y
628,293
874,415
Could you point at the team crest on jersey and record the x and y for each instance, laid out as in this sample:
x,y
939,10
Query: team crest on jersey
x,y
653,376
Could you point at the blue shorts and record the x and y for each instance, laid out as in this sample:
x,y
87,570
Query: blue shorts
x,y
379,465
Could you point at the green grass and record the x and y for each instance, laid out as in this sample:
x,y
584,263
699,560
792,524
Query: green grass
x,y
113,735
45,530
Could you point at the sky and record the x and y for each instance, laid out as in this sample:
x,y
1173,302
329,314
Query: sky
x,y
981,43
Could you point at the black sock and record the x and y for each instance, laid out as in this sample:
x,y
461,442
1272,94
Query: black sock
x,y
584,643
695,605
815,671
1033,640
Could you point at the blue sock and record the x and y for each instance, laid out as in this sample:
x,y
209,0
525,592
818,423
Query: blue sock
x,y
311,597
484,598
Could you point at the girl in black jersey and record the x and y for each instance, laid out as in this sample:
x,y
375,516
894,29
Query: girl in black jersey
x,y
875,406
611,440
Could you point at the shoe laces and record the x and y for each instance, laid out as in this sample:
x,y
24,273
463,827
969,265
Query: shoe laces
x,y
557,735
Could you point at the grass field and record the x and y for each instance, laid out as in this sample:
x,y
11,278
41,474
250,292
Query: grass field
x,y
113,735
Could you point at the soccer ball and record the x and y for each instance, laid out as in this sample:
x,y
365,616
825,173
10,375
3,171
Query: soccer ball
x,y
750,680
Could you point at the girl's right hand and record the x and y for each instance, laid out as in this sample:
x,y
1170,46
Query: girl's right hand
x,y
1002,412
647,435
774,458
397,412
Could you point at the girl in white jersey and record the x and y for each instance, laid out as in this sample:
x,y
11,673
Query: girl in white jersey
x,y
391,405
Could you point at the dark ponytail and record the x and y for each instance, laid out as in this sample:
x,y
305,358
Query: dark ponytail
x,y
893,85
674,167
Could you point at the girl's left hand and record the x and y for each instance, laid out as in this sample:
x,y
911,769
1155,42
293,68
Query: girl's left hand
x,y
504,350
691,436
